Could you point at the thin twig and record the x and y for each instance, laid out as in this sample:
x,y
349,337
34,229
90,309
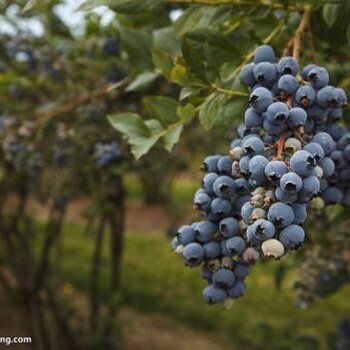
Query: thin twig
x,y
312,47
261,3
250,55
229,92
303,26
288,48
68,107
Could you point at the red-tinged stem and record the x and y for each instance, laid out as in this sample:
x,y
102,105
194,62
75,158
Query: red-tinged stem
x,y
289,47
280,145
303,26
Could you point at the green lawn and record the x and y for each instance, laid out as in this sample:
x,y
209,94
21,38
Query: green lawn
x,y
155,281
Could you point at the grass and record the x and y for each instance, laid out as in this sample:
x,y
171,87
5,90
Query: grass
x,y
155,281
183,189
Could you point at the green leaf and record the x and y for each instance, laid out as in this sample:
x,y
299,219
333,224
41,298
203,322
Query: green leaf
x,y
188,91
137,133
28,6
179,74
163,62
232,109
161,107
336,213
220,47
188,20
142,81
331,13
187,112
208,112
348,34
137,44
194,61
129,124
154,126
172,137
164,38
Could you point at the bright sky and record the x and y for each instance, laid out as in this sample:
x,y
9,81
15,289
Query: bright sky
x,y
66,11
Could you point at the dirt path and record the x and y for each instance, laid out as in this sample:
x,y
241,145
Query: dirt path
x,y
139,217
139,331
152,332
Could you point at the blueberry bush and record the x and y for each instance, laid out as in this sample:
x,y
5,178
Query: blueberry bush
x,y
267,69
268,78
266,74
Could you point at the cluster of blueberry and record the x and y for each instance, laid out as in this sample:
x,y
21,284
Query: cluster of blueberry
x,y
16,148
107,154
322,272
291,153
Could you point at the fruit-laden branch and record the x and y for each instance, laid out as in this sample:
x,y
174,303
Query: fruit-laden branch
x,y
105,90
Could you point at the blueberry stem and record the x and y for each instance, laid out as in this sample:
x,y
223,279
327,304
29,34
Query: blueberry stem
x,y
311,45
250,55
303,26
229,92
280,145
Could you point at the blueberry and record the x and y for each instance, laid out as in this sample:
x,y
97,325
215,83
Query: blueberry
x,y
274,170
252,118
241,270
291,182
235,245
325,140
332,195
302,163
285,197
316,150
260,99
277,112
224,165
300,213
247,75
265,73
204,231
305,96
287,65
253,146
288,85
208,181
213,295
220,207
229,227
185,235
246,212
224,186
318,77
193,254
280,214
202,200
237,290
292,237
264,53
306,71
327,166
212,250
224,278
